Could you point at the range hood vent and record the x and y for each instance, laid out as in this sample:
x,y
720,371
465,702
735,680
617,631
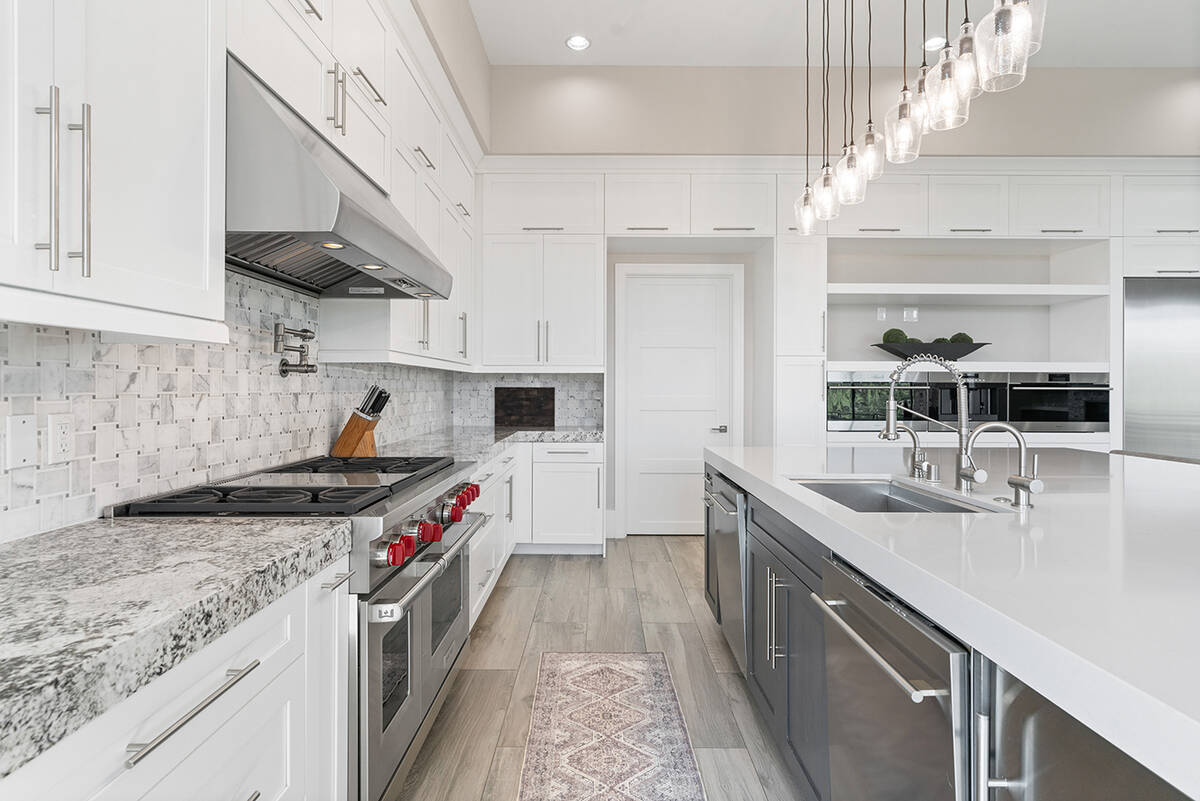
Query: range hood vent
x,y
300,214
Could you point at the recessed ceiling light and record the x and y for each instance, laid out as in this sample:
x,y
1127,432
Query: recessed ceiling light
x,y
371,266
578,42
332,245
935,43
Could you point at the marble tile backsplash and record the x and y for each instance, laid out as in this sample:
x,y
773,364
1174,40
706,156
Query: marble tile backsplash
x,y
152,417
578,397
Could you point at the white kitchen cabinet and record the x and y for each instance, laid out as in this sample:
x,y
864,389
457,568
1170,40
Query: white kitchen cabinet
x,y
968,205
1162,205
542,300
523,203
363,132
800,414
458,181
1161,257
1059,206
405,181
647,204
800,281
319,16
429,213
733,204
361,38
896,205
568,500
327,665
414,115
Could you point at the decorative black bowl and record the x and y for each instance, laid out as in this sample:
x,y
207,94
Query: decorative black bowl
x,y
947,350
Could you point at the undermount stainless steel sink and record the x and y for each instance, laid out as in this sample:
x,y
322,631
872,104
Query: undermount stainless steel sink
x,y
882,495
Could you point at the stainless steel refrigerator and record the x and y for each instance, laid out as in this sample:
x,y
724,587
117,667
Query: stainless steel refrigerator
x,y
1162,366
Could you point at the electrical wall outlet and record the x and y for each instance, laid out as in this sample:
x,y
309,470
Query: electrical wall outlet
x,y
60,438
911,314
881,312
20,441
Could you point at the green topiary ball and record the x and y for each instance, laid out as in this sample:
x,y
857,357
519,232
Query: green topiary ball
x,y
894,336
961,339
914,341
940,341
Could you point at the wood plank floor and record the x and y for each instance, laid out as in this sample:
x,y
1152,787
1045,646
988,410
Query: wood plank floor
x,y
647,594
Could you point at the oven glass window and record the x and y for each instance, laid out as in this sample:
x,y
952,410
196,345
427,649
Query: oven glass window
x,y
447,601
397,659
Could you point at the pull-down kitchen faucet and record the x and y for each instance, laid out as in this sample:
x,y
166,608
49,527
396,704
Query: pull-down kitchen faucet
x,y
1023,485
966,474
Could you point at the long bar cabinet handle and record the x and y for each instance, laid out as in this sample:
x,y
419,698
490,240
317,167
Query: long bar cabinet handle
x,y
52,244
84,254
338,580
378,97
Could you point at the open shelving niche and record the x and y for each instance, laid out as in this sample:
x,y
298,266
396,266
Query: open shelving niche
x,y
1042,304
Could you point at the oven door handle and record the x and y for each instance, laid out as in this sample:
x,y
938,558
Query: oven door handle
x,y
1098,388
391,611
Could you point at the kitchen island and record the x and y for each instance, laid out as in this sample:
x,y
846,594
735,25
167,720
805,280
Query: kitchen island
x,y
1091,597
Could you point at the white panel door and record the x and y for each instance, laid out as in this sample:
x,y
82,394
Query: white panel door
x,y
679,351
733,204
413,116
567,503
800,279
556,204
1057,206
800,416
573,300
898,206
360,43
27,59
153,76
364,134
968,205
647,204
327,665
511,299
1162,205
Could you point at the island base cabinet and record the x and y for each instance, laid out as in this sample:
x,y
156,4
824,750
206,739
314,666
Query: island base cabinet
x,y
766,673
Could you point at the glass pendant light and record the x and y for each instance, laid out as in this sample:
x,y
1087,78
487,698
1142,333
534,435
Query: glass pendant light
x,y
872,150
825,194
803,208
921,97
1002,43
851,174
904,125
967,72
949,105
1037,12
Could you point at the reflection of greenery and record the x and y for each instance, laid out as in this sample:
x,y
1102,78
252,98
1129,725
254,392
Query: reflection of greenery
x,y
870,403
838,403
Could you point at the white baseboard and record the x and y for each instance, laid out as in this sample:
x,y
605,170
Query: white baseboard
x,y
548,548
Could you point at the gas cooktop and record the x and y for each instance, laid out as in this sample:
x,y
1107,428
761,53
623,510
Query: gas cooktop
x,y
317,487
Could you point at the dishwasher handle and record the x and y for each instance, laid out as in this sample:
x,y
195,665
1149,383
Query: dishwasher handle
x,y
917,690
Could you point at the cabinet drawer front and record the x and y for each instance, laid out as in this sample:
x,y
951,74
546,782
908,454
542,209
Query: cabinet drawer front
x,y
1166,205
1058,206
647,204
896,206
568,452
733,204
270,37
1162,257
569,204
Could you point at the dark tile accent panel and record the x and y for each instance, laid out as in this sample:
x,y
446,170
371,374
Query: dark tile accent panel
x,y
524,407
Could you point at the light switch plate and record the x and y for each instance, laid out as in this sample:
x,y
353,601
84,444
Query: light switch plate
x,y
20,440
911,314
881,312
60,438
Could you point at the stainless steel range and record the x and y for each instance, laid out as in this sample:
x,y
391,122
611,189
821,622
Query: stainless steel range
x,y
410,528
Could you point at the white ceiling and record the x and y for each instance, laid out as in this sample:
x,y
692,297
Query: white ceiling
x,y
1079,33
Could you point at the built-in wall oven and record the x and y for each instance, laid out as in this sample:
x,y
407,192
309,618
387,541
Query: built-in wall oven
x,y
1060,403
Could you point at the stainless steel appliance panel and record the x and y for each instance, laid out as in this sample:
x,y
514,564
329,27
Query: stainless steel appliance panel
x,y
725,533
1031,750
1162,366
898,698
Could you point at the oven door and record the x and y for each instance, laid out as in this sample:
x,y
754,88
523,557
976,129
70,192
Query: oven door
x,y
447,632
1062,407
392,674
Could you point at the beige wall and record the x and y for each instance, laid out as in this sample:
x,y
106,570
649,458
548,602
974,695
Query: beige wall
x,y
451,26
757,111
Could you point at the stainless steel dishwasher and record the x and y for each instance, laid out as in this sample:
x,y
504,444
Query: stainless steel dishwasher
x,y
899,695
725,559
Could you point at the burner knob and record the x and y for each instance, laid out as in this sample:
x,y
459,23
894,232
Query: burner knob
x,y
462,500
431,532
400,550
475,490
448,513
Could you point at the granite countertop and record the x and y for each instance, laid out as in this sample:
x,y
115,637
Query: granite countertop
x,y
483,443
1092,597
91,613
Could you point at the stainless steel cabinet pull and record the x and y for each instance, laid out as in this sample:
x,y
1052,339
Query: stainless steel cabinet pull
x,y
428,161
547,340
539,340
254,796
970,230
463,317
822,332
1062,230
541,228
425,324
647,228
485,478
597,487
338,580
378,97
1178,272
142,750
52,244
509,516
463,209
339,89
311,9
983,767
722,429
770,615
734,228
774,588
714,500
84,254
345,84
580,452
886,230
917,694
1177,230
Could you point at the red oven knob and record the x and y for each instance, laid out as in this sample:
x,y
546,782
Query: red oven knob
x,y
448,513
474,488
432,533
463,500
400,550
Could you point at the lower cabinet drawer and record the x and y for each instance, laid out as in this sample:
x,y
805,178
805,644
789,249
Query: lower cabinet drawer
x,y
568,452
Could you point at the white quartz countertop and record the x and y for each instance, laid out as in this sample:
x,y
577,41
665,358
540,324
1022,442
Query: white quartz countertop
x,y
483,443
1092,597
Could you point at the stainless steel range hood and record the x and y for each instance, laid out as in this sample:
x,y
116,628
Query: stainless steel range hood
x,y
289,193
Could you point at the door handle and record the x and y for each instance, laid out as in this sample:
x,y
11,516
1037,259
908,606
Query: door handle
x,y
539,340
713,500
983,767
428,161
339,88
720,429
509,516
52,244
312,9
463,317
84,254
378,97
547,341
338,580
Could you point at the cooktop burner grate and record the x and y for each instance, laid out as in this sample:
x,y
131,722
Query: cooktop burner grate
x,y
237,500
369,464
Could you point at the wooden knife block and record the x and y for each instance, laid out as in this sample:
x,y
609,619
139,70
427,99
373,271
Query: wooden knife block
x,y
357,437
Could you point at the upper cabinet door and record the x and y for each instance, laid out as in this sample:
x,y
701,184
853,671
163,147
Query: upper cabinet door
x,y
573,300
151,75
1056,206
414,118
27,55
554,204
511,300
968,205
319,16
896,205
364,132
800,278
360,43
647,204
458,181
733,204
1162,205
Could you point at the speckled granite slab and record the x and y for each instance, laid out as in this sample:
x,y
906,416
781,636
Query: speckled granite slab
x,y
484,443
91,613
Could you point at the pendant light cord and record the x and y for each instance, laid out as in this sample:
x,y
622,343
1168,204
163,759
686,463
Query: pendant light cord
x,y
825,82
852,70
947,24
807,89
966,13
845,114
870,69
904,48
924,35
